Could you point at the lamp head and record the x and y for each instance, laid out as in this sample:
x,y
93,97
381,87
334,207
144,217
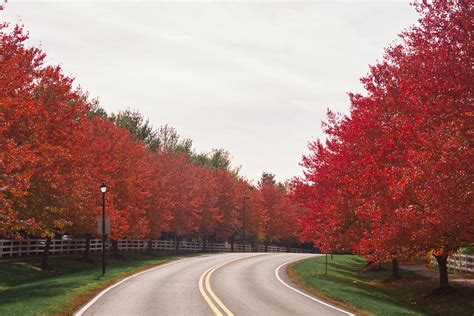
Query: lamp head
x,y
103,187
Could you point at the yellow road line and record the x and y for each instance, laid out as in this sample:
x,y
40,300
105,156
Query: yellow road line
x,y
209,288
214,308
207,285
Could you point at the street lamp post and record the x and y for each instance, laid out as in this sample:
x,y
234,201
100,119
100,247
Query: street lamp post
x,y
103,189
244,231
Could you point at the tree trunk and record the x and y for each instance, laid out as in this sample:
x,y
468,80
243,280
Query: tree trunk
x,y
395,269
87,248
177,240
443,271
44,261
266,247
115,247
331,255
232,243
150,246
204,244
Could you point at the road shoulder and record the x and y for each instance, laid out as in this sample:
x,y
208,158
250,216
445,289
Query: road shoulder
x,y
349,284
293,277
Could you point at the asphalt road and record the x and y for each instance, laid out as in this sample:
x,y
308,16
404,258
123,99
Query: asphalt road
x,y
218,284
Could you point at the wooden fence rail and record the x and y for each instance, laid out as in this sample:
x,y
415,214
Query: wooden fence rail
x,y
459,263
34,247
261,248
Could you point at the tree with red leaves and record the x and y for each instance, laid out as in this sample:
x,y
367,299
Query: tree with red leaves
x,y
57,147
394,179
174,195
19,67
44,116
230,194
276,210
210,216
329,219
54,155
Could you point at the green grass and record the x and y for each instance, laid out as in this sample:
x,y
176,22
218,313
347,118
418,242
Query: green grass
x,y
27,290
366,292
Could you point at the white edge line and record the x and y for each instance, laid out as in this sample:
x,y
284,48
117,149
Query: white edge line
x,y
304,294
98,296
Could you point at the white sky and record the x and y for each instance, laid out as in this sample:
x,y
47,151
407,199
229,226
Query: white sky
x,y
253,77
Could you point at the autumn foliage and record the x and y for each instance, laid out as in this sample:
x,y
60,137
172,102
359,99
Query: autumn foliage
x,y
57,146
394,180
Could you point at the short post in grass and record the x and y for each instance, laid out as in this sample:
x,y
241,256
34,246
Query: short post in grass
x,y
103,189
326,265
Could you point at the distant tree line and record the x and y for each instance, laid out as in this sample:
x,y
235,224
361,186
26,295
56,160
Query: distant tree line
x,y
57,146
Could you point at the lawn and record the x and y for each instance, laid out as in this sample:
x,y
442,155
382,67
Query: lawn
x,y
347,284
27,290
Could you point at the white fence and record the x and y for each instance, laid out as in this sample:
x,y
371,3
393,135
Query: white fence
x,y
185,246
261,248
33,247
459,263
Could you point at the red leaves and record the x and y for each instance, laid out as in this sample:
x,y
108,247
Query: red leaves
x,y
278,213
393,179
54,154
35,150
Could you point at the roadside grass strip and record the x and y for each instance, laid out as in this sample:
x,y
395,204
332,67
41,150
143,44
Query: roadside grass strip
x,y
348,284
27,290
277,274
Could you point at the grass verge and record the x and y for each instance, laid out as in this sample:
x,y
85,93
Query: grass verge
x,y
27,290
347,284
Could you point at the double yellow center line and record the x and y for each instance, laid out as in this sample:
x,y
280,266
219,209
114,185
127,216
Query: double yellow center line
x,y
205,287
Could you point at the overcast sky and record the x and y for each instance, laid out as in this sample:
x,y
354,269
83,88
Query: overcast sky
x,y
253,77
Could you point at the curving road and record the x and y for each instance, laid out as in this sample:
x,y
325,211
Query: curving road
x,y
217,284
